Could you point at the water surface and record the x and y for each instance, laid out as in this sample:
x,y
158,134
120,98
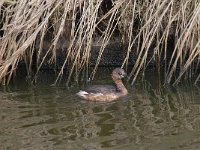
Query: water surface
x,y
151,117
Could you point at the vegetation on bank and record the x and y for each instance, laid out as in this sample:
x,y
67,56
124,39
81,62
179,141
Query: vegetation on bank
x,y
141,24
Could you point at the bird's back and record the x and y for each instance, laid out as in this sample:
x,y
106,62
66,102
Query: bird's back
x,y
104,89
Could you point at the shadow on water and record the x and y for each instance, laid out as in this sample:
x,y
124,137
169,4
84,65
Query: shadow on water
x,y
152,117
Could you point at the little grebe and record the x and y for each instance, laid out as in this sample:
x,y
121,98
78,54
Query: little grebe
x,y
106,93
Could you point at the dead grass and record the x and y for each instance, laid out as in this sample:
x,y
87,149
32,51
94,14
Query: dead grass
x,y
24,21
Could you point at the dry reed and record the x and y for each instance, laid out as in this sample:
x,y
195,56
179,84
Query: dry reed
x,y
23,22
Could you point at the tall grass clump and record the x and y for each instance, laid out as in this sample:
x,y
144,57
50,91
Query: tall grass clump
x,y
142,24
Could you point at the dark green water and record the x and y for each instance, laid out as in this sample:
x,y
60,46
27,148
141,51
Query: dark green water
x,y
151,117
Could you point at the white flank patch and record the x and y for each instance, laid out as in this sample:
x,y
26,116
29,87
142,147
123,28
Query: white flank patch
x,y
82,93
99,94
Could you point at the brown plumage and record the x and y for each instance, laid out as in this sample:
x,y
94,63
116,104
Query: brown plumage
x,y
106,93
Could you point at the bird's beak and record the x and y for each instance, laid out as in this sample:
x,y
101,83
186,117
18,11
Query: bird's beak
x,y
124,75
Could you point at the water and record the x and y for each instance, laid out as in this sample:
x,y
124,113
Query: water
x,y
151,117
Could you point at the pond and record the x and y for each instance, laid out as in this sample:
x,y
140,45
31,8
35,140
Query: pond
x,y
151,117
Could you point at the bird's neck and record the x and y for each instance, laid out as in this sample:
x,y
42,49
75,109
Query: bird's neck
x,y
120,86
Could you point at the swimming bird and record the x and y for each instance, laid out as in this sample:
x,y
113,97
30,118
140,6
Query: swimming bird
x,y
106,93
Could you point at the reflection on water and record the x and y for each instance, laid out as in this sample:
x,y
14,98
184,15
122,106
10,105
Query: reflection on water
x,y
151,117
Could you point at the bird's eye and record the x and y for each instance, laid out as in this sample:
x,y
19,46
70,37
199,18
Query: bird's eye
x,y
120,73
